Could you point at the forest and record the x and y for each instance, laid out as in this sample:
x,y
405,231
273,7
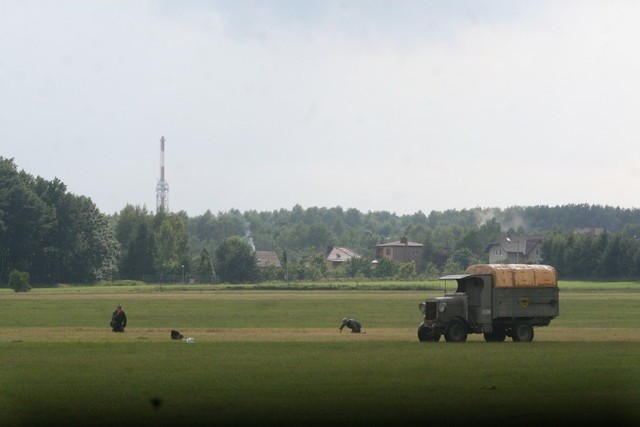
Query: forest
x,y
58,237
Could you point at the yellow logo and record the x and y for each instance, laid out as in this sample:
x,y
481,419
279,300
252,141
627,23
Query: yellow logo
x,y
524,302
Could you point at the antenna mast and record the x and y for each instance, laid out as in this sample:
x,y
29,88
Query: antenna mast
x,y
162,189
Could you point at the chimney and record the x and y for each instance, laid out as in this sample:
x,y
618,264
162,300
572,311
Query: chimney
x,y
403,240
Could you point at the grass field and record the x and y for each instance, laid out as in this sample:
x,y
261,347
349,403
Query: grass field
x,y
276,358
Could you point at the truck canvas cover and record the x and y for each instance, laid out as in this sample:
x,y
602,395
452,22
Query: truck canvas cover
x,y
517,275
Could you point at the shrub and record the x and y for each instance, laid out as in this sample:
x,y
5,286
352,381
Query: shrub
x,y
406,271
19,281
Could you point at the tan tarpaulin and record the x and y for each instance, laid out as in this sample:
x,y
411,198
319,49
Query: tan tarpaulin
x,y
517,275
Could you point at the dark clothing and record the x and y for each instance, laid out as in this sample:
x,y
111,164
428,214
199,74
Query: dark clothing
x,y
352,324
118,321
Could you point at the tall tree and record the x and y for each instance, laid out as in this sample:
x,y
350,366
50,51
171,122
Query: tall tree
x,y
172,244
235,261
134,231
205,266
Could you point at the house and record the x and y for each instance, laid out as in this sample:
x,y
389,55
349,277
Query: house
x,y
267,258
401,251
515,250
336,255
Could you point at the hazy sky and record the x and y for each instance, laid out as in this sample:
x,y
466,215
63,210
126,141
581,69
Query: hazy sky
x,y
376,105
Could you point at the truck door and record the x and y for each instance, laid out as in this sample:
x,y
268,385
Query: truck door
x,y
478,290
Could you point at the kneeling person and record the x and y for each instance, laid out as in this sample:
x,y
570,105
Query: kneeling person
x,y
118,320
352,324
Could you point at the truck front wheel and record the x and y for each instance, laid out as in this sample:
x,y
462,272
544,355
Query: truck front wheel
x,y
455,332
522,332
427,335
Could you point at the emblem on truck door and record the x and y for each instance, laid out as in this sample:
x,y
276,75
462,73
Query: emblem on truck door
x,y
524,302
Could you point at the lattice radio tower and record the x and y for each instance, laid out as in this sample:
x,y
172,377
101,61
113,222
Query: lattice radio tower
x,y
162,189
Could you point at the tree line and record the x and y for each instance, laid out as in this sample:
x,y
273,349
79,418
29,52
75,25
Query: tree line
x,y
51,234
614,256
58,237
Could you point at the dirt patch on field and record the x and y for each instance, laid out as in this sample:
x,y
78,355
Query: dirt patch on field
x,y
67,334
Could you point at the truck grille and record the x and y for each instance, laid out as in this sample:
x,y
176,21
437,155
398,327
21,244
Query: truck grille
x,y
430,310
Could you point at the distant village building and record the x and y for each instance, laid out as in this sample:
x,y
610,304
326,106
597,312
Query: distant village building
x,y
336,255
402,251
267,258
515,250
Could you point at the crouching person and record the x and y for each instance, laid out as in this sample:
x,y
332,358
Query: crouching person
x,y
118,320
352,324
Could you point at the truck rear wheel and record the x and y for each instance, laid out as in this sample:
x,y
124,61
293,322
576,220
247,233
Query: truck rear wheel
x,y
427,335
522,332
455,332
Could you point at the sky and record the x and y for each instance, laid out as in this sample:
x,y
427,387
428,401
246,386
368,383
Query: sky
x,y
399,106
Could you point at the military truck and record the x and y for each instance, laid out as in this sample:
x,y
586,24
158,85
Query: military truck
x,y
497,300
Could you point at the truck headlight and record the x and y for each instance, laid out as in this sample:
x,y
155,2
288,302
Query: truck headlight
x,y
423,307
442,307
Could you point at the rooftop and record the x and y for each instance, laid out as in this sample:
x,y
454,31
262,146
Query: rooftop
x,y
266,258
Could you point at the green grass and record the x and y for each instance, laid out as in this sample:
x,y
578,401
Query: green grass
x,y
130,286
603,286
298,383
217,309
599,309
94,377
280,309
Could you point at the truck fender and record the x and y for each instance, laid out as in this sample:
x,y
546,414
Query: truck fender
x,y
461,320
